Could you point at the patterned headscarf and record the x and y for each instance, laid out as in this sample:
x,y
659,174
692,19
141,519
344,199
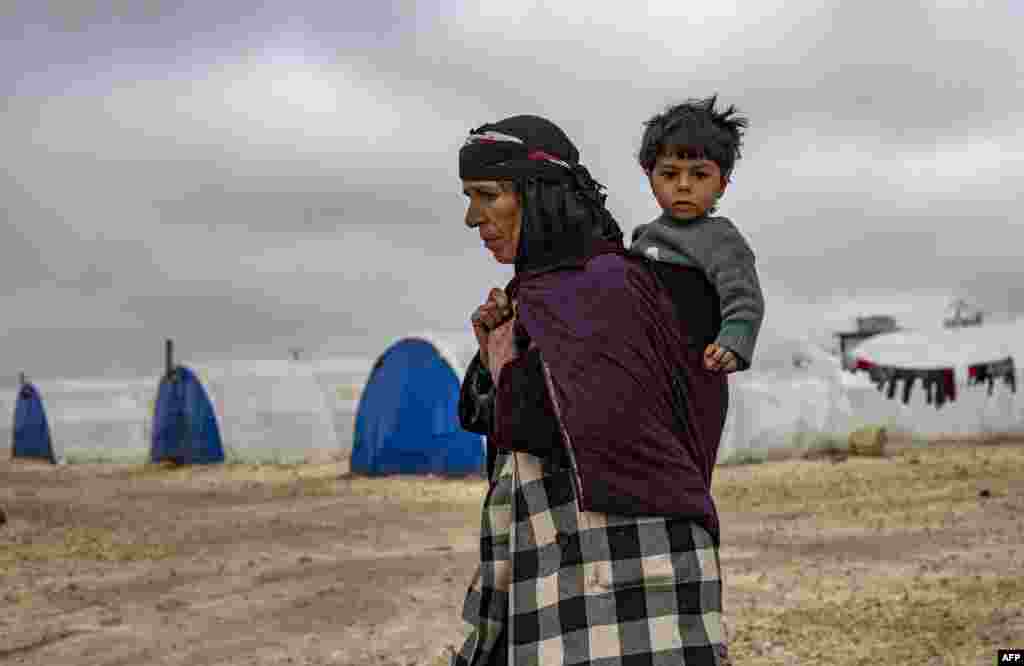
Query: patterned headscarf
x,y
562,205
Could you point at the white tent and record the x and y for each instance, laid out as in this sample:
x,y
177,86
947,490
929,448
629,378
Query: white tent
x,y
341,381
268,409
265,410
973,412
91,418
795,396
792,398
945,347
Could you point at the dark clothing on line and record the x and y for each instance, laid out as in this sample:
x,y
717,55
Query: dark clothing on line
x,y
938,384
988,372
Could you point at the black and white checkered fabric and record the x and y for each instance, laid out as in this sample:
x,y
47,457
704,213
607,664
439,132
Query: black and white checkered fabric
x,y
571,588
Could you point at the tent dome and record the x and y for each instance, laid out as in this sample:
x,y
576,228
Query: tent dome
x,y
97,417
343,378
268,408
457,347
945,347
341,381
407,421
185,427
974,412
31,437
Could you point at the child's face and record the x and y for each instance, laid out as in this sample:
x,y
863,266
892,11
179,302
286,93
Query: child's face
x,y
685,188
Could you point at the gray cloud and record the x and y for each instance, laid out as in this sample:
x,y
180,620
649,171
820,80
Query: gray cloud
x,y
246,181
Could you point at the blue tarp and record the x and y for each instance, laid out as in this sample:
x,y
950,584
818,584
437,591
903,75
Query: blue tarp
x,y
31,437
184,423
407,421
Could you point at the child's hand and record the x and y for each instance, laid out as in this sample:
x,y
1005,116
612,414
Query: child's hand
x,y
719,359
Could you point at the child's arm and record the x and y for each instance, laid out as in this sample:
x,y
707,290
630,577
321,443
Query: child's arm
x,y
725,257
732,270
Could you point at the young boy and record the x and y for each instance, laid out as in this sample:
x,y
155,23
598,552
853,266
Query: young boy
x,y
688,154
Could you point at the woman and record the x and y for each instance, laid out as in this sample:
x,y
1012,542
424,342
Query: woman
x,y
599,536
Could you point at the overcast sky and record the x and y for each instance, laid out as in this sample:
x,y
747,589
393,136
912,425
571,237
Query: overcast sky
x,y
246,181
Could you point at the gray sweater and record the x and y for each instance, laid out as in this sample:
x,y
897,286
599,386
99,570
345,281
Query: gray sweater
x,y
715,246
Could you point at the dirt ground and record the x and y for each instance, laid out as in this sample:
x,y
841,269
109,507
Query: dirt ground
x,y
917,557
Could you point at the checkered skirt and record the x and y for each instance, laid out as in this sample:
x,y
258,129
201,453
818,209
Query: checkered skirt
x,y
572,588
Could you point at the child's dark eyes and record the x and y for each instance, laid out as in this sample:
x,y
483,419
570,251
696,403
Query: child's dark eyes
x,y
700,175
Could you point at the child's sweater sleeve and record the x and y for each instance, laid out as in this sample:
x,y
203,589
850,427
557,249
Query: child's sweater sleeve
x,y
719,249
730,266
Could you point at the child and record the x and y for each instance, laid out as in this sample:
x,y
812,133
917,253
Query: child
x,y
688,154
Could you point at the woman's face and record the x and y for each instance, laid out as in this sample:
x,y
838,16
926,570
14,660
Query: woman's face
x,y
494,210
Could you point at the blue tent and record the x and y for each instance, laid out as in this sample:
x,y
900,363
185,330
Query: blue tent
x,y
31,431
407,421
184,424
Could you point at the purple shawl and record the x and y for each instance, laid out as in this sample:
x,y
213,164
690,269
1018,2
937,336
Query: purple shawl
x,y
641,417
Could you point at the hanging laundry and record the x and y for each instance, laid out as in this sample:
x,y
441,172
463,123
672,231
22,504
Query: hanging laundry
x,y
938,384
908,384
988,372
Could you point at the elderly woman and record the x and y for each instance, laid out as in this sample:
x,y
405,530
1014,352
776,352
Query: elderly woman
x,y
600,538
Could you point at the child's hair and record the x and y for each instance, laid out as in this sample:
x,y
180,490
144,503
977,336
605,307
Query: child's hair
x,y
694,130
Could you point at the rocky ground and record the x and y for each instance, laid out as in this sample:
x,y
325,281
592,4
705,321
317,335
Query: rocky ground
x,y
917,557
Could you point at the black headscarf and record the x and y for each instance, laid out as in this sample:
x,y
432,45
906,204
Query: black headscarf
x,y
563,207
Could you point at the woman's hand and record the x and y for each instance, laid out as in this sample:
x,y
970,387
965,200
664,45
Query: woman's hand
x,y
488,317
501,348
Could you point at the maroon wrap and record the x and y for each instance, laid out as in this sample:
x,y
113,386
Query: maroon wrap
x,y
642,416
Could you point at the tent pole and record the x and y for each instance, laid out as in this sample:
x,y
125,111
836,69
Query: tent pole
x,y
169,356
21,378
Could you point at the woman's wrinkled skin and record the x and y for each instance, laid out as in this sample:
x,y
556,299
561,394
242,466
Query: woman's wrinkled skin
x,y
494,211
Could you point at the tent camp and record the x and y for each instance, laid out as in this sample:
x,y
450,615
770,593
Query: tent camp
x,y
796,395
94,417
184,429
265,410
407,419
341,382
343,378
790,399
972,411
268,409
31,431
280,410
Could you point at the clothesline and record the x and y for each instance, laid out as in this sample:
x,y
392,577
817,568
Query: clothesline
x,y
938,383
988,372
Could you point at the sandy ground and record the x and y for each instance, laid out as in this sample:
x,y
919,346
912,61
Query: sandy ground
x,y
917,557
